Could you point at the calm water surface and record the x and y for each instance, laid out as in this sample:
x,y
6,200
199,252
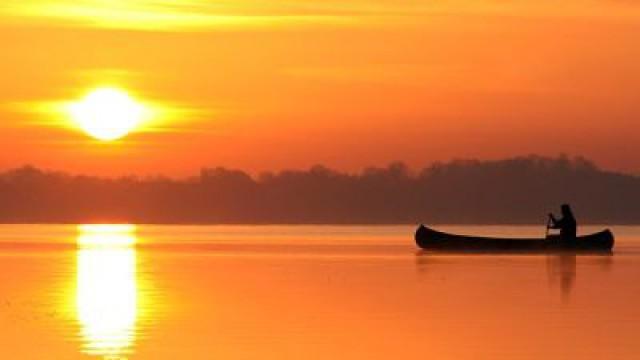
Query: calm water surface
x,y
312,292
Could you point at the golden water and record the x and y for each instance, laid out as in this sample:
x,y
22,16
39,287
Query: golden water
x,y
313,292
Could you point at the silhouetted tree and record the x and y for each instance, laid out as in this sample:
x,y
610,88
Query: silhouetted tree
x,y
516,190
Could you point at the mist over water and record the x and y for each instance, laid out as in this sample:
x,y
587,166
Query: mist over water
x,y
315,292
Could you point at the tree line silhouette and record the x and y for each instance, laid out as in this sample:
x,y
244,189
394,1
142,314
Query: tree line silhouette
x,y
515,190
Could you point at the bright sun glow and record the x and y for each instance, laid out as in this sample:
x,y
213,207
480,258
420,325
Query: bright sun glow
x,y
106,299
107,113
107,296
111,235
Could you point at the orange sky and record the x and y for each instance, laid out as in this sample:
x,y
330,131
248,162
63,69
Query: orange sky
x,y
343,83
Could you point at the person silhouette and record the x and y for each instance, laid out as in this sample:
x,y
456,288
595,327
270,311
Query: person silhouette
x,y
567,224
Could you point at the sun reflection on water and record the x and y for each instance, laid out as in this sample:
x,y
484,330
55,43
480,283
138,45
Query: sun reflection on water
x,y
107,295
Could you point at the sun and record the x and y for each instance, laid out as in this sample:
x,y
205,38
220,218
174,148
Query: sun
x,y
107,113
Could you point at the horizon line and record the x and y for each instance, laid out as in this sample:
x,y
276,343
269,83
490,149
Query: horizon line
x,y
572,159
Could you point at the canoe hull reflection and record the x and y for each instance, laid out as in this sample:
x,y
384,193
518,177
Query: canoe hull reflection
x,y
429,239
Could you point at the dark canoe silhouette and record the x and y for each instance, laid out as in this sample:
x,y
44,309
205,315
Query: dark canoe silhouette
x,y
430,239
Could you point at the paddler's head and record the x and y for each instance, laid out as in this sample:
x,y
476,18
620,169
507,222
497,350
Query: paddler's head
x,y
566,210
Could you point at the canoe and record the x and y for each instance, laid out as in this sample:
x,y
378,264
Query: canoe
x,y
430,239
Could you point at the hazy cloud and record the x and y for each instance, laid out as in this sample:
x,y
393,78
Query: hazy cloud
x,y
160,15
174,15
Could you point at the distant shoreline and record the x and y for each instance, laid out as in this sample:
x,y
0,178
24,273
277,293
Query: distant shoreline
x,y
514,191
300,224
